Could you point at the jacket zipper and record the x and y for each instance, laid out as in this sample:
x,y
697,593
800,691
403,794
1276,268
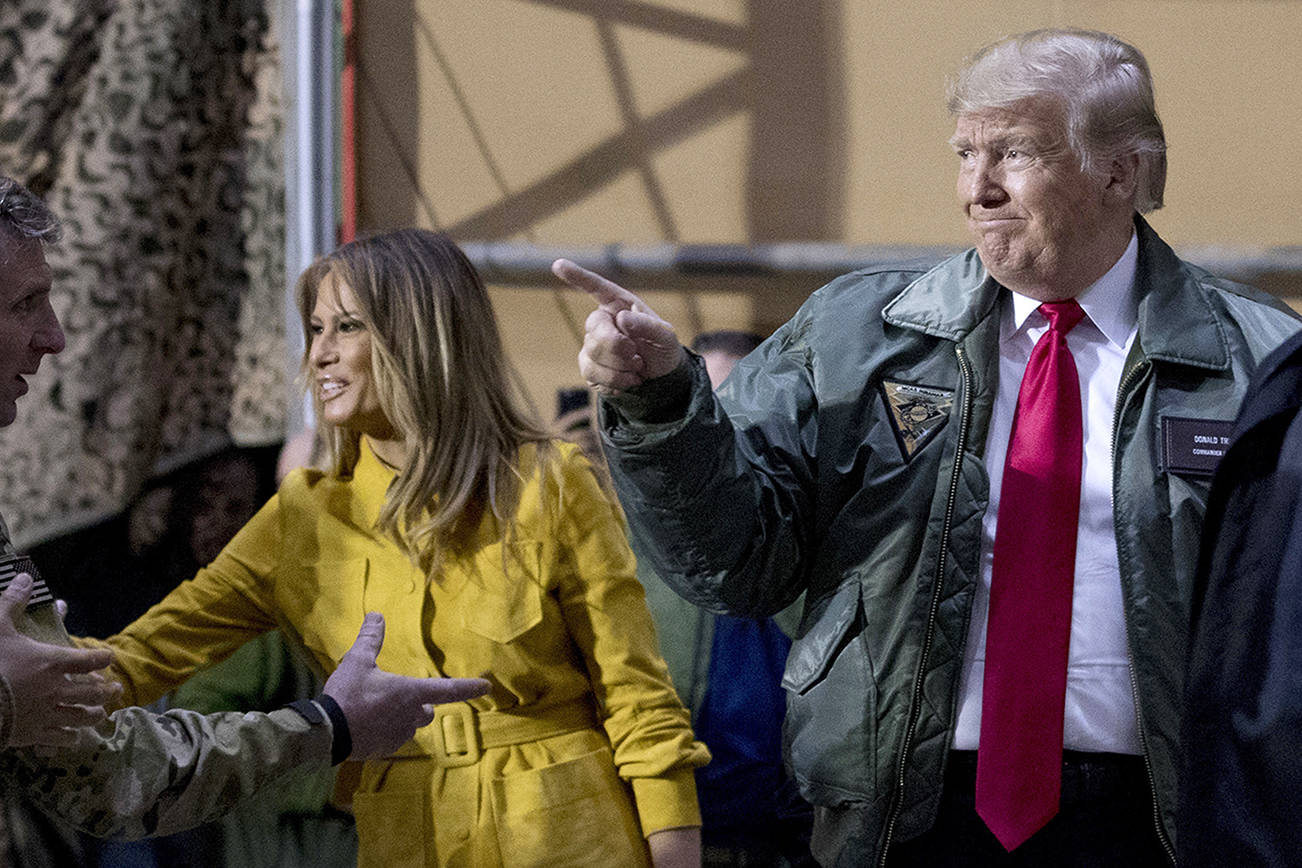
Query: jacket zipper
x,y
1126,382
915,704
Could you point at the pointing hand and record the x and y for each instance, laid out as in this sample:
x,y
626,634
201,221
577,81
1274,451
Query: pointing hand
x,y
626,342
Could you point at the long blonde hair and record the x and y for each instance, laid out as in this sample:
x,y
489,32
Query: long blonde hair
x,y
443,383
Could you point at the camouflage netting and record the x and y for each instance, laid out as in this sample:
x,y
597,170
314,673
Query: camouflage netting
x,y
154,129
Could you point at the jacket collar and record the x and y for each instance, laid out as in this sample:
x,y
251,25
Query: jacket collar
x,y
1176,320
948,301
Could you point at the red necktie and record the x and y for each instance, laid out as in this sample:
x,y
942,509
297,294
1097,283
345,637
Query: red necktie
x,y
1019,760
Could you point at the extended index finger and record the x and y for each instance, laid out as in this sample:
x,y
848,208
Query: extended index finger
x,y
606,292
440,690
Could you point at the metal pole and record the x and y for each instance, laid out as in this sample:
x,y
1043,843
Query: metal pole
x,y
310,136
701,266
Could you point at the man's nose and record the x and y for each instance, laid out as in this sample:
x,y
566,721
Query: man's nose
x,y
48,337
979,184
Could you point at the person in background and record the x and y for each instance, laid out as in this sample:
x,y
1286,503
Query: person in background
x,y
575,424
293,822
303,449
489,548
1242,737
111,572
985,477
721,351
729,672
138,773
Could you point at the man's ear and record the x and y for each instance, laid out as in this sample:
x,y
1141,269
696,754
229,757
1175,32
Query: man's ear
x,y
1122,179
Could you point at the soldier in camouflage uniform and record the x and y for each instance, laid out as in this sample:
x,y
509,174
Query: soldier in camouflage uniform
x,y
138,773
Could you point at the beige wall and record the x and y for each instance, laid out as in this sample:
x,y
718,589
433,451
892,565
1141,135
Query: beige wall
x,y
591,121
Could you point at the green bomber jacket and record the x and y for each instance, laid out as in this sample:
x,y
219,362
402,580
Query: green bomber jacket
x,y
799,478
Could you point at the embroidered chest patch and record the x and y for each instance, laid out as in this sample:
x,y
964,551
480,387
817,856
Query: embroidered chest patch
x,y
917,413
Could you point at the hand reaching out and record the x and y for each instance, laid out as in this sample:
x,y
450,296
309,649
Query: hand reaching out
x,y
54,689
626,343
384,710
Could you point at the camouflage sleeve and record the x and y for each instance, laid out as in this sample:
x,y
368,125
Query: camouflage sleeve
x,y
142,773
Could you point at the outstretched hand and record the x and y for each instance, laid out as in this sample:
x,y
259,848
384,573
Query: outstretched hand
x,y
55,689
384,710
625,342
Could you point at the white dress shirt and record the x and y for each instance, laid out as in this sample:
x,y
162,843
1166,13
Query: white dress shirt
x,y
1100,706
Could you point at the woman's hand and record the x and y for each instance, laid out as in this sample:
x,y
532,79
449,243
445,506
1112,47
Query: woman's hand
x,y
676,848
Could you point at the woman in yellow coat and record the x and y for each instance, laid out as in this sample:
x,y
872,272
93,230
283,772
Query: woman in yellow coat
x,y
490,550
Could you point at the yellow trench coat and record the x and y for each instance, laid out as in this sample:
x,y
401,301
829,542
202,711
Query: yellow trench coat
x,y
580,749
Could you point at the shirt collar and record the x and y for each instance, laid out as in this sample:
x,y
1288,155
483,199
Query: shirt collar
x,y
1109,302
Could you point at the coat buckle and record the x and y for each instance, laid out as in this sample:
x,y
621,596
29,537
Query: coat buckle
x,y
456,735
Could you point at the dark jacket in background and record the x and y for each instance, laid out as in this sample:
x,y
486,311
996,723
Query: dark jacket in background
x,y
1241,778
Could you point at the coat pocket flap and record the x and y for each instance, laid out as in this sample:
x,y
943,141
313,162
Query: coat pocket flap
x,y
503,592
814,652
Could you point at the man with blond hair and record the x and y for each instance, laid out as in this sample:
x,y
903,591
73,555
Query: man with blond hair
x,y
988,479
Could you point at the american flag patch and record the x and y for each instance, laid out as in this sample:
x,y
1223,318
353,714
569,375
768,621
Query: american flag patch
x,y
13,564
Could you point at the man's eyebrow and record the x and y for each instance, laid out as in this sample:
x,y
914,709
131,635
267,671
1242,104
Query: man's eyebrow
x,y
1017,139
999,142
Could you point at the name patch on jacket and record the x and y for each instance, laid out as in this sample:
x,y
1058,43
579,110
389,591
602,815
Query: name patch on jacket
x,y
1194,446
916,413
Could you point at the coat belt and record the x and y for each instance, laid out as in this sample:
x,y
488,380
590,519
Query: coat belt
x,y
460,733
